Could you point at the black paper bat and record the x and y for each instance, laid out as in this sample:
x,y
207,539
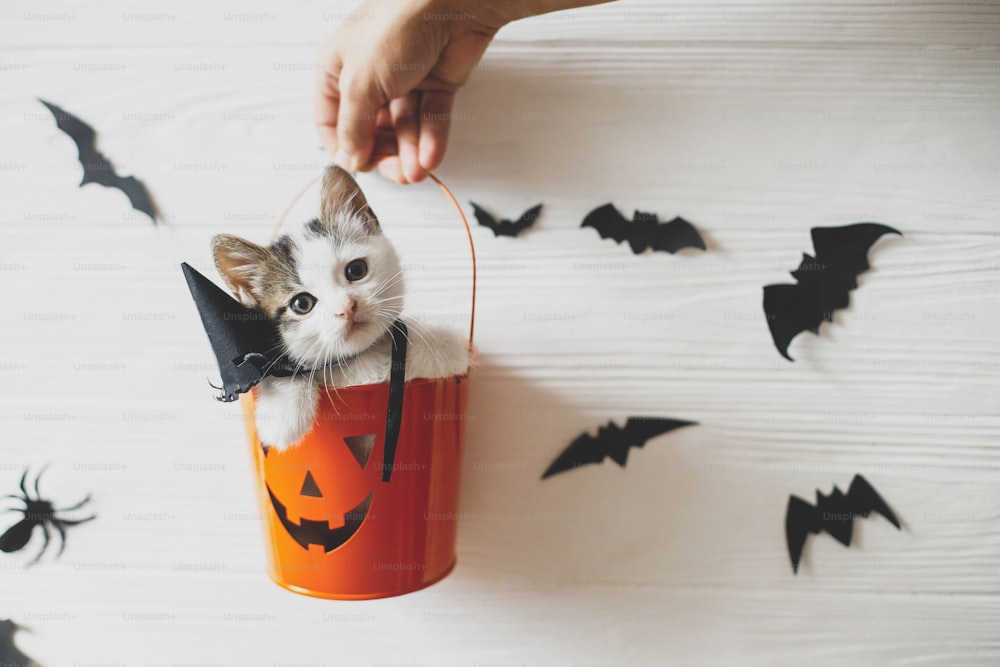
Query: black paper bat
x,y
824,281
245,341
834,514
96,167
38,512
10,654
644,231
612,441
505,227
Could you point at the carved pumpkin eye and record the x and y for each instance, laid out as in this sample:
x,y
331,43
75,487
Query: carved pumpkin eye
x,y
361,446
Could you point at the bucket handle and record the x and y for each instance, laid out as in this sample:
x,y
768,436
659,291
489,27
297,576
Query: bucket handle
x,y
472,253
461,213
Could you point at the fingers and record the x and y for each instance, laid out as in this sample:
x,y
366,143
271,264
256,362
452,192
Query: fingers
x,y
435,123
421,122
406,121
385,147
368,110
392,169
327,101
358,111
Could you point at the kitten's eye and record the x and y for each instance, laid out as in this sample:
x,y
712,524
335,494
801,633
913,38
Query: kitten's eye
x,y
356,270
302,303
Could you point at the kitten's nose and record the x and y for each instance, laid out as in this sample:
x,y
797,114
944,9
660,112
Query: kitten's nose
x,y
350,309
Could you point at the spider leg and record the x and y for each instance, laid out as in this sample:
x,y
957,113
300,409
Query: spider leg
x,y
73,522
24,478
45,545
38,477
77,506
14,495
62,536
22,510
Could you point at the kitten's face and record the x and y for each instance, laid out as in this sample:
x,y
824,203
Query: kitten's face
x,y
334,287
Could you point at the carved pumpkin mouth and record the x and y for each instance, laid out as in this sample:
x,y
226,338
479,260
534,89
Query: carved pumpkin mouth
x,y
308,531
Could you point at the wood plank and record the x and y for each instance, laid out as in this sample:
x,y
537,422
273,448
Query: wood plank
x,y
756,121
254,23
609,625
877,393
805,138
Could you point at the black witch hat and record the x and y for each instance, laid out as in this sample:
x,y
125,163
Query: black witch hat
x,y
245,341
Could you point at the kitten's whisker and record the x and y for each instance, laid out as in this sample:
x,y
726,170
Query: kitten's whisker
x,y
414,328
383,321
394,276
327,382
385,283
278,346
380,296
331,382
320,356
336,347
310,355
383,299
392,306
422,330
323,366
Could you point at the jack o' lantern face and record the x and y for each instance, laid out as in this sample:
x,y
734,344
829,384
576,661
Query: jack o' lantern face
x,y
325,529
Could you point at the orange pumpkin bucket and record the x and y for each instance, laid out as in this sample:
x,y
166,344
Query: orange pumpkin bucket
x,y
354,511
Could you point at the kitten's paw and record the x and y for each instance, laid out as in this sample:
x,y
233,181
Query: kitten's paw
x,y
280,431
285,412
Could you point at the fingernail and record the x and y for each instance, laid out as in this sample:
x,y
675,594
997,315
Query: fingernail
x,y
410,169
343,160
393,170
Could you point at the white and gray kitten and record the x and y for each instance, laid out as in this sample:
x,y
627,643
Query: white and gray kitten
x,y
333,288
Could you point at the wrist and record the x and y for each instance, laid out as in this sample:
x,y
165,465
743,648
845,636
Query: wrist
x,y
492,14
507,11
481,14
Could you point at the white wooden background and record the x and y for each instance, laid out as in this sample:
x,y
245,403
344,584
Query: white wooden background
x,y
755,120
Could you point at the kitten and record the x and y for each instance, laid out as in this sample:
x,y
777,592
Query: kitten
x,y
333,288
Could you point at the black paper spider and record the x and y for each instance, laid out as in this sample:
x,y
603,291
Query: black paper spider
x,y
37,512
10,654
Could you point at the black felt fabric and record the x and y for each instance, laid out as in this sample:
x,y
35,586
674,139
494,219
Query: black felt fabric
x,y
245,342
397,384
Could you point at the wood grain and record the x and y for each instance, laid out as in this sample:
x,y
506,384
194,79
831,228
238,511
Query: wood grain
x,y
756,121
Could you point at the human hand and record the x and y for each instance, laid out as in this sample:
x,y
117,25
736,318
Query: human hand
x,y
388,78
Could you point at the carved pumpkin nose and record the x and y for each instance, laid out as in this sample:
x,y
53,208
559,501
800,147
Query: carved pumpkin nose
x,y
310,487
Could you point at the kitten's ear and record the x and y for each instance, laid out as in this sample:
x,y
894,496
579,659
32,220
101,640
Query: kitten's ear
x,y
342,202
242,265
